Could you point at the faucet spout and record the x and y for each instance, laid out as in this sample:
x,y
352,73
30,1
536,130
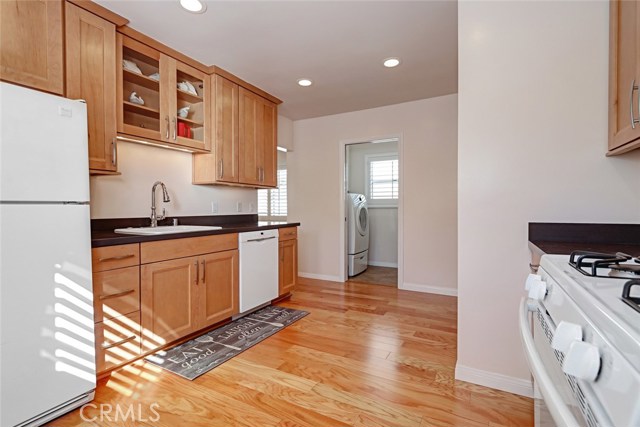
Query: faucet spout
x,y
165,199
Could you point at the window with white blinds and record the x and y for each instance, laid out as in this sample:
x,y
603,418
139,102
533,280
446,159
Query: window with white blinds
x,y
382,179
272,203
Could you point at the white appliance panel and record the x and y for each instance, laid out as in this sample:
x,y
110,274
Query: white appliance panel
x,y
358,263
47,354
44,147
258,268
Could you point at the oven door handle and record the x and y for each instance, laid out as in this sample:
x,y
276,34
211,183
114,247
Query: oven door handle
x,y
552,398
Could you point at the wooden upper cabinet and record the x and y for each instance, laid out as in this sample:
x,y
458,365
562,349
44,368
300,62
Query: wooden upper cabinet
x,y
31,44
257,132
244,138
134,119
91,75
624,76
171,101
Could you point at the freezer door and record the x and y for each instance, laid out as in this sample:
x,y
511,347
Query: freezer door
x,y
43,146
47,354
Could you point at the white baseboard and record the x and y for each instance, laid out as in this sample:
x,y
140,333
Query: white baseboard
x,y
494,380
320,277
418,287
383,264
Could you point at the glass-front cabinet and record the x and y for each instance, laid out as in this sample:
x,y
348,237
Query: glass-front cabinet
x,y
161,98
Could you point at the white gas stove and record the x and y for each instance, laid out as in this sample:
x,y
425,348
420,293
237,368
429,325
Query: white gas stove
x,y
585,350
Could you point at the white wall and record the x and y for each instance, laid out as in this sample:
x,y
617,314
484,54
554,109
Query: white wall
x,y
429,135
129,194
532,142
383,221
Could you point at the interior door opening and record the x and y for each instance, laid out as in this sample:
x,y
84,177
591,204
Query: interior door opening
x,y
372,184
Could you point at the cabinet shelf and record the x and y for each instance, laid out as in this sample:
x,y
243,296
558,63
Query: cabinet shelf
x,y
141,109
189,97
191,122
140,79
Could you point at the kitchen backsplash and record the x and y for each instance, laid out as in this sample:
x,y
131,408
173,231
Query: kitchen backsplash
x,y
129,194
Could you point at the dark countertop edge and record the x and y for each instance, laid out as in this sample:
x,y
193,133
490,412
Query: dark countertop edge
x,y
585,233
109,238
541,247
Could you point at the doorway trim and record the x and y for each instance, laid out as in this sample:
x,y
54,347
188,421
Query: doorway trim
x,y
342,146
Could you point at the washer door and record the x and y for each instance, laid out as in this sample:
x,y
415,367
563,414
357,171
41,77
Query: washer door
x,y
362,219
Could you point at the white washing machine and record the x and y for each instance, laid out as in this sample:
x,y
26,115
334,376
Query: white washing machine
x,y
358,229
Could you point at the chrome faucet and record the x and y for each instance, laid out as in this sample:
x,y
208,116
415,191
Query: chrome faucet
x,y
165,198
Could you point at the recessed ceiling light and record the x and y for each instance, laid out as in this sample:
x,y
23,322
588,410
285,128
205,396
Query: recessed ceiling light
x,y
305,82
193,6
391,62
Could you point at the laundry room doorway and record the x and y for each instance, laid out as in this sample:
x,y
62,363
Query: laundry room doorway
x,y
372,206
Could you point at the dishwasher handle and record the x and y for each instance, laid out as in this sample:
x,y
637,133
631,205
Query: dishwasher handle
x,y
262,239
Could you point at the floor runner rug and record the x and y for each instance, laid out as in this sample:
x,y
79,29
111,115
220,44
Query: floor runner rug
x,y
201,354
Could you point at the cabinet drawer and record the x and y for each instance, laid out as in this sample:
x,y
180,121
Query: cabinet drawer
x,y
111,257
288,233
180,248
117,341
116,292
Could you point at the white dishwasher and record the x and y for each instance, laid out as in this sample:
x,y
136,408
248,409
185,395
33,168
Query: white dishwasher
x,y
258,268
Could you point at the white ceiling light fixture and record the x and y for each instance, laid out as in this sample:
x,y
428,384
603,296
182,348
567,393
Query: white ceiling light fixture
x,y
391,62
305,82
193,6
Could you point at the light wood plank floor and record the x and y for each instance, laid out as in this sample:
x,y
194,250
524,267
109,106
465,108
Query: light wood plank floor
x,y
365,356
374,275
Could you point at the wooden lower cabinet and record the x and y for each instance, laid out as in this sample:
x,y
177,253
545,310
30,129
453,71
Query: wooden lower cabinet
x,y
218,294
183,295
117,341
169,300
288,259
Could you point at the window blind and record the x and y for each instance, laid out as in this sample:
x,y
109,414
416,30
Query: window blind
x,y
383,179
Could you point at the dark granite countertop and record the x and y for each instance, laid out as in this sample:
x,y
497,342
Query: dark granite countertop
x,y
563,238
102,229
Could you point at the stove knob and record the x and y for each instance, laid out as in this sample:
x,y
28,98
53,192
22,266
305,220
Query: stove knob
x,y
538,290
566,333
582,361
530,279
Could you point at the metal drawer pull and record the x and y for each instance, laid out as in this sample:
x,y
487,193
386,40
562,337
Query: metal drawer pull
x,y
116,258
197,271
116,344
204,270
634,87
119,294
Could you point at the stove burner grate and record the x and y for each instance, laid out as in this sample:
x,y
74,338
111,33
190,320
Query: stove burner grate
x,y
634,302
588,263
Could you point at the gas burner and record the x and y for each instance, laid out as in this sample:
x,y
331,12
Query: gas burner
x,y
633,301
596,264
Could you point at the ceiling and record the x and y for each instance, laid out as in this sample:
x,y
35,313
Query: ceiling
x,y
339,45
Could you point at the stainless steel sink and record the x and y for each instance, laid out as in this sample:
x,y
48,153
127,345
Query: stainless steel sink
x,y
165,229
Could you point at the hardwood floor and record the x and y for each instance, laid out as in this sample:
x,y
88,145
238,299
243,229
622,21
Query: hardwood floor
x,y
377,276
364,356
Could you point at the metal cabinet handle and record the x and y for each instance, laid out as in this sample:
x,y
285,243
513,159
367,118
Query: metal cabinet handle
x,y
634,87
166,119
204,270
116,258
258,174
114,152
174,128
220,169
119,294
116,344
197,271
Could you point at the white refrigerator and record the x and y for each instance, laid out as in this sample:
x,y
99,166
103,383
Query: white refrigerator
x,y
47,354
